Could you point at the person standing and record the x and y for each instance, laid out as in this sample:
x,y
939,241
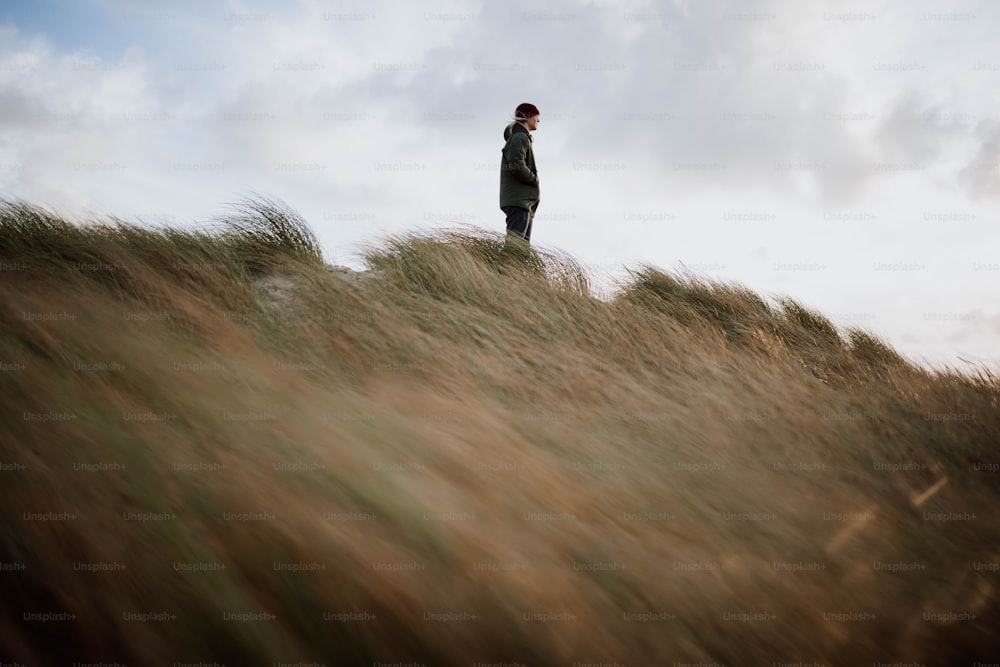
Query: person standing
x,y
519,191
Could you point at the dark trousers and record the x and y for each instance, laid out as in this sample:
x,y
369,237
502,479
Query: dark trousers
x,y
519,221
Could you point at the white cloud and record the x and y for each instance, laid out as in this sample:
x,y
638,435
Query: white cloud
x,y
982,174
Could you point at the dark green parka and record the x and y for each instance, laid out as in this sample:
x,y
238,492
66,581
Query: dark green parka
x,y
518,175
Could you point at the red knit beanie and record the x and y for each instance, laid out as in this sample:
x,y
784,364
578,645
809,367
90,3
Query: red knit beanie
x,y
526,110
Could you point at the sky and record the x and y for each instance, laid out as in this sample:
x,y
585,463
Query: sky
x,y
844,154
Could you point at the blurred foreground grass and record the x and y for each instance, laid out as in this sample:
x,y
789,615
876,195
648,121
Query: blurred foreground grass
x,y
216,449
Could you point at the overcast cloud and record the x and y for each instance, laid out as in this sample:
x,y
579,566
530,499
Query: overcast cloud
x,y
844,154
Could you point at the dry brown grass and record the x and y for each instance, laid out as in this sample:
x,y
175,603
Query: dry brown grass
x,y
687,451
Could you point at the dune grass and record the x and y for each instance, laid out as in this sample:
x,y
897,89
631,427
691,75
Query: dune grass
x,y
466,458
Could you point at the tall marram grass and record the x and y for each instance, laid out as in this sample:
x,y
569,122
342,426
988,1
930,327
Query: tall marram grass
x,y
215,449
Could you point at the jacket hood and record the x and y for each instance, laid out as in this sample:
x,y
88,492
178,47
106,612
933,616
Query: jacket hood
x,y
514,127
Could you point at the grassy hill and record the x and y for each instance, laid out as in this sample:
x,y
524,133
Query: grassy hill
x,y
214,448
